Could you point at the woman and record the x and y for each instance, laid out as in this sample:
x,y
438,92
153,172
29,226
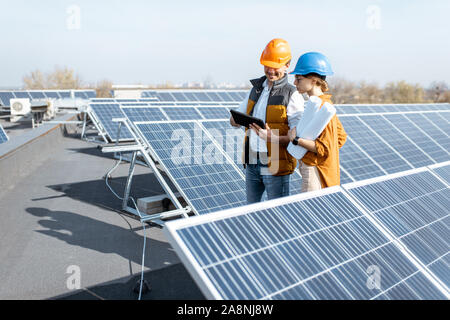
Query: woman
x,y
320,165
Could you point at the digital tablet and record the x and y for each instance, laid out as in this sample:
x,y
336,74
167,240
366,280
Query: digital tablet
x,y
245,120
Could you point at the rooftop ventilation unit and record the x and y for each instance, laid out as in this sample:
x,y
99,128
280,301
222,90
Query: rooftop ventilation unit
x,y
20,108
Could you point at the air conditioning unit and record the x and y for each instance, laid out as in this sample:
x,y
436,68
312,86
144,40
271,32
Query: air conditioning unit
x,y
20,108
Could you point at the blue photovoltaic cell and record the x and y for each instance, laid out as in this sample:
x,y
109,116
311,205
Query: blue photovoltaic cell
x,y
90,94
225,96
214,96
208,181
398,141
52,94
201,96
179,96
37,94
190,96
236,96
419,137
182,113
345,178
105,112
446,116
80,94
214,112
295,183
125,100
230,139
426,125
414,208
64,94
3,136
356,162
165,96
438,119
22,95
5,97
373,145
317,248
144,114
443,172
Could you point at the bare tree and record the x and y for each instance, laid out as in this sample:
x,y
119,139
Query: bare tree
x,y
35,80
438,91
60,78
104,88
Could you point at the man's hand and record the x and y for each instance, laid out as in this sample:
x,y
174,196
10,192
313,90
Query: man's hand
x,y
292,134
265,134
234,124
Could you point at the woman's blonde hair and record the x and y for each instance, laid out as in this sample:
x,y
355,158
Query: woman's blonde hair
x,y
322,83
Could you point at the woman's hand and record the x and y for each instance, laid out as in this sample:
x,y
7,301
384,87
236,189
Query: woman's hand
x,y
292,134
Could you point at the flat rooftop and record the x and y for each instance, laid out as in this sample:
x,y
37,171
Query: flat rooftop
x,y
59,213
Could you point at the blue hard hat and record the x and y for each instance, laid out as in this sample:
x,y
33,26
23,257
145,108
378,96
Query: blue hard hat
x,y
313,62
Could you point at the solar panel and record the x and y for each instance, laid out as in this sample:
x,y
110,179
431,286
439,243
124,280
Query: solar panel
x,y
5,97
373,146
430,147
205,178
225,96
433,131
236,96
179,96
22,95
181,113
309,246
52,94
214,112
438,119
214,96
357,163
414,209
91,94
64,94
105,112
230,139
443,171
135,114
81,95
3,135
201,96
165,96
190,96
399,142
37,94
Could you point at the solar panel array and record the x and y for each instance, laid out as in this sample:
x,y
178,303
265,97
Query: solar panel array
x,y
5,96
377,144
325,245
415,210
390,143
208,181
384,108
105,113
196,96
443,172
3,135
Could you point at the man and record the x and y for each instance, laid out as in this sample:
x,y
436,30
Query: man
x,y
266,160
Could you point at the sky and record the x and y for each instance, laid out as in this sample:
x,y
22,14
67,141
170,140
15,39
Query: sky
x,y
150,42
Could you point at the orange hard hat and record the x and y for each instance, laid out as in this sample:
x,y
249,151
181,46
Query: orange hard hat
x,y
276,54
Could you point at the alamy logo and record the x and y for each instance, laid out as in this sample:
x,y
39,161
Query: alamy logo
x,y
373,17
73,21
374,279
74,280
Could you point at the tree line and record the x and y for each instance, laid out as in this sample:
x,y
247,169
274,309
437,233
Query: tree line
x,y
343,91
